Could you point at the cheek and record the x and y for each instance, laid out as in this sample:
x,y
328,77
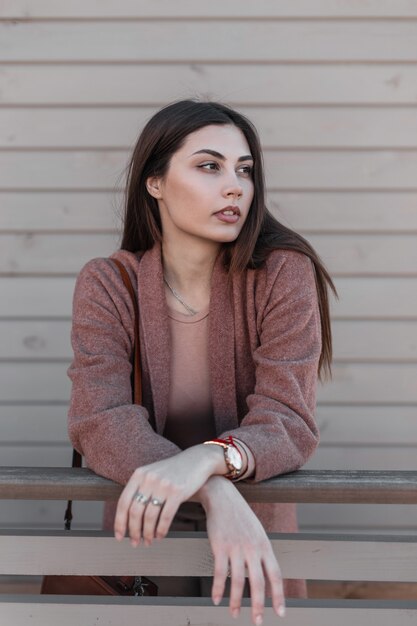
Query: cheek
x,y
185,191
249,192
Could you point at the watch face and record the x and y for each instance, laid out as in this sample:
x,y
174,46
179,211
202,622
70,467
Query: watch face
x,y
234,458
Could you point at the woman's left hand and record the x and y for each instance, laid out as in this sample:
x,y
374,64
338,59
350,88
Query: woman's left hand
x,y
164,485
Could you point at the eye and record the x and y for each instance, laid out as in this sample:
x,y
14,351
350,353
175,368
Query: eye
x,y
208,166
246,170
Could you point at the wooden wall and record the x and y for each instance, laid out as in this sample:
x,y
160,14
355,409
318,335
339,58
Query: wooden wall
x,y
332,88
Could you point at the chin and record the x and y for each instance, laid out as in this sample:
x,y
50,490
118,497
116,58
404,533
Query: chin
x,y
228,236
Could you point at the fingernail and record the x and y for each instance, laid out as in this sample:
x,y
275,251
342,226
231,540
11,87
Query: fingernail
x,y
134,543
235,613
258,620
216,600
118,536
281,611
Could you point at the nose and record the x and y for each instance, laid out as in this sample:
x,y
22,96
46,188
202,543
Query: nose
x,y
234,188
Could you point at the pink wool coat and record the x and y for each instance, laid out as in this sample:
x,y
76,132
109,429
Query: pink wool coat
x,y
264,347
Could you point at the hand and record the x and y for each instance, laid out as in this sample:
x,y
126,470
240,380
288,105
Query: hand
x,y
170,482
237,536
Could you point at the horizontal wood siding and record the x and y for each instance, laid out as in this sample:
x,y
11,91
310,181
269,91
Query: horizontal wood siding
x,y
218,9
331,86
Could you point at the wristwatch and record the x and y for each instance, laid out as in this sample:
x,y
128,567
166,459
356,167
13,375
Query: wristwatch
x,y
232,456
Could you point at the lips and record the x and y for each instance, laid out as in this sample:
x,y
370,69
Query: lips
x,y
229,215
229,210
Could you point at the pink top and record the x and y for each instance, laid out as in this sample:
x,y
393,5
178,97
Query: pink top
x,y
190,417
190,411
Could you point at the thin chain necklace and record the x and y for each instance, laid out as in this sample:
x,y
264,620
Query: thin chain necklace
x,y
176,295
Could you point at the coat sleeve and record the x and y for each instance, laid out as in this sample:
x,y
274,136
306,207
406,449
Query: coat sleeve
x,y
279,427
114,435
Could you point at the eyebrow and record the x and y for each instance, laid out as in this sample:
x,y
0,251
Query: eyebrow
x,y
214,153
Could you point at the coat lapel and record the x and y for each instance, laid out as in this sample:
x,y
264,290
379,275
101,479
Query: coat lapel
x,y
222,350
155,331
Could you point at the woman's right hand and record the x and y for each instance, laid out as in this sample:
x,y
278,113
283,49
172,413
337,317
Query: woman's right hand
x,y
237,537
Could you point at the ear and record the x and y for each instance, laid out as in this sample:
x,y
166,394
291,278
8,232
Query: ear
x,y
153,186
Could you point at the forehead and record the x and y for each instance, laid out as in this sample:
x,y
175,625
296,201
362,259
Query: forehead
x,y
226,139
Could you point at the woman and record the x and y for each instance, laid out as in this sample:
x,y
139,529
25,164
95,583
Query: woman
x,y
234,328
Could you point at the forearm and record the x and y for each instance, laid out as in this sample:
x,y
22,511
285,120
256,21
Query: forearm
x,y
213,487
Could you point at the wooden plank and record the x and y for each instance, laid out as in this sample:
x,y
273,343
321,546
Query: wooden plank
x,y
345,211
359,298
354,340
35,340
180,41
297,169
347,518
382,298
344,254
44,382
90,169
339,425
327,457
387,558
32,514
358,518
375,254
33,424
36,297
285,170
96,211
312,211
261,84
377,340
353,486
367,425
368,457
66,253
142,9
352,383
119,611
362,383
294,127
37,454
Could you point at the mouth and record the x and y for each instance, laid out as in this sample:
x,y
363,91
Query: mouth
x,y
229,210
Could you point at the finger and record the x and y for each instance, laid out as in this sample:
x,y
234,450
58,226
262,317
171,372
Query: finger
x,y
274,576
257,590
237,584
123,505
136,513
150,519
166,517
219,578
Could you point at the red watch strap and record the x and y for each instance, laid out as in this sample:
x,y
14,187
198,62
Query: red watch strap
x,y
228,440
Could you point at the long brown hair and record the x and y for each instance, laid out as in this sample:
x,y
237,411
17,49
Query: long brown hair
x,y
261,233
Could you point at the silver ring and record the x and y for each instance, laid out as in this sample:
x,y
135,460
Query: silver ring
x,y
157,502
140,498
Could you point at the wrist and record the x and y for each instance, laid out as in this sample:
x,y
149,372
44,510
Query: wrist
x,y
232,454
208,494
214,456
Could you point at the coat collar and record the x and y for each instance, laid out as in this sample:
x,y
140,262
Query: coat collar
x,y
157,343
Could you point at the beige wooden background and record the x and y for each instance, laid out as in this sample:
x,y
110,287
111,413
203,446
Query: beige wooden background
x,y
332,88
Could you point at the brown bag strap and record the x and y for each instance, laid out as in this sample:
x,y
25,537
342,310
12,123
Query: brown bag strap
x,y
136,378
137,375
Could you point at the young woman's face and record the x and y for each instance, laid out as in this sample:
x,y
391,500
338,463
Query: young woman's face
x,y
208,189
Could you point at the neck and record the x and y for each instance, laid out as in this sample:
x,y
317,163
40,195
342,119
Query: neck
x,y
189,268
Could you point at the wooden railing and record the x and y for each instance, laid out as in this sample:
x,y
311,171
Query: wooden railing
x,y
303,555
